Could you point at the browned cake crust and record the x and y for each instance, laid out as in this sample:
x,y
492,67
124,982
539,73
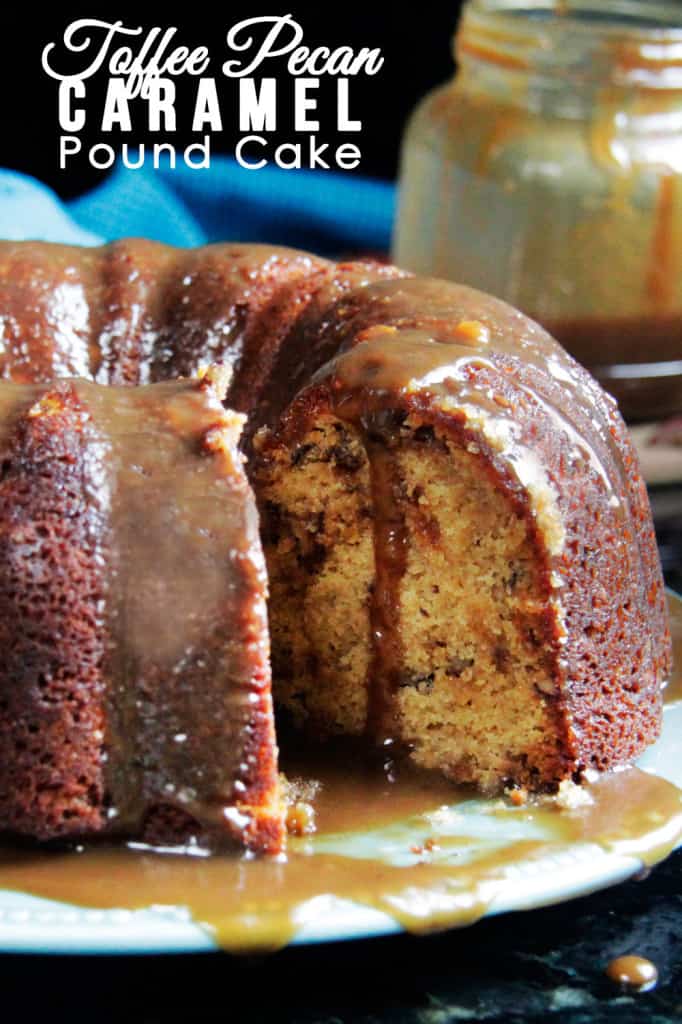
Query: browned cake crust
x,y
53,553
460,548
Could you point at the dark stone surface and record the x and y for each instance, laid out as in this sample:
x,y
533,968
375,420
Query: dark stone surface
x,y
544,965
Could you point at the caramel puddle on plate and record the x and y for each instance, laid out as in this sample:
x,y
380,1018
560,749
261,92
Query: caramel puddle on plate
x,y
437,881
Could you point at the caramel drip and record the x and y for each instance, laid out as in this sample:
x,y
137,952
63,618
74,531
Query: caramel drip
x,y
503,60
172,669
390,556
251,907
506,128
661,278
633,972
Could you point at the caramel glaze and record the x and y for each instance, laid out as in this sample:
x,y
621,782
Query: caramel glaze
x,y
259,904
138,675
414,353
194,729
137,312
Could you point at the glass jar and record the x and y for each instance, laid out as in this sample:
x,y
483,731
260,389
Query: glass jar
x,y
549,172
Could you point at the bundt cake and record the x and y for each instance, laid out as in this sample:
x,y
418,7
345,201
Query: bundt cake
x,y
462,565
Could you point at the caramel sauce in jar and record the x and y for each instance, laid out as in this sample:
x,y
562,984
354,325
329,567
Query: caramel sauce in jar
x,y
549,173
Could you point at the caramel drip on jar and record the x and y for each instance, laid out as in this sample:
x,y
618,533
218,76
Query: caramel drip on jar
x,y
661,278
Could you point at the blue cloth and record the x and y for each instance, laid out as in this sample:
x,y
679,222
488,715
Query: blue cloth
x,y
318,210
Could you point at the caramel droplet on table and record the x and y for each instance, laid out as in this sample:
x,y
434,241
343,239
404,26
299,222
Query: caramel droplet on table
x,y
634,971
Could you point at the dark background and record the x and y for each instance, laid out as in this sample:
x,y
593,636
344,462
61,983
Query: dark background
x,y
417,46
